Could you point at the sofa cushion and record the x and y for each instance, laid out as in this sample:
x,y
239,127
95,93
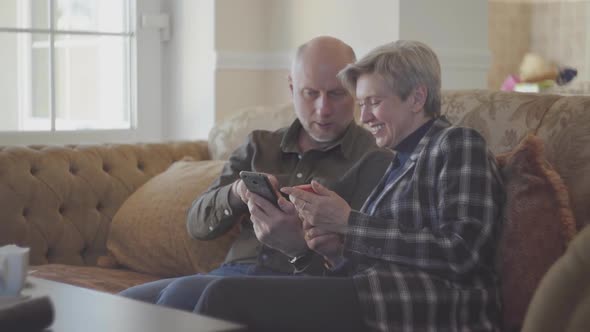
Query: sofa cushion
x,y
566,133
539,224
148,234
225,137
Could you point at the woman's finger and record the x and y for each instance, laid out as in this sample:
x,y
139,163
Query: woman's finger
x,y
314,232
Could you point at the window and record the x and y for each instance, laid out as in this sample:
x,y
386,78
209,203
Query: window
x,y
66,64
80,71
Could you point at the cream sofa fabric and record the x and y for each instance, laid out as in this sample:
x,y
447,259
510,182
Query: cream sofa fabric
x,y
225,137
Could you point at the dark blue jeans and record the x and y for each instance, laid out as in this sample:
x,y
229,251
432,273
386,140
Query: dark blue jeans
x,y
184,292
261,299
269,304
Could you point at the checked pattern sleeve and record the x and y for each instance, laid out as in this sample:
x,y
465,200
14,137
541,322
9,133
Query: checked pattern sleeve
x,y
440,216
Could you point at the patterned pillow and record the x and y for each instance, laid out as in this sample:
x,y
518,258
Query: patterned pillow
x,y
228,135
539,224
148,234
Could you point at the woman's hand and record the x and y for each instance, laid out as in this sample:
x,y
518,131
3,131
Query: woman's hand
x,y
325,217
323,209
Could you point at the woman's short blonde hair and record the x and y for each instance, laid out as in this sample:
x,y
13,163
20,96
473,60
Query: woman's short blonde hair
x,y
404,65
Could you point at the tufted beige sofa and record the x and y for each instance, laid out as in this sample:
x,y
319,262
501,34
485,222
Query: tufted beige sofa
x,y
60,200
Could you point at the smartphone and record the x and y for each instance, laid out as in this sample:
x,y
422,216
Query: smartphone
x,y
259,184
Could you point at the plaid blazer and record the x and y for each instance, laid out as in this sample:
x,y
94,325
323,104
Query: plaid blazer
x,y
423,256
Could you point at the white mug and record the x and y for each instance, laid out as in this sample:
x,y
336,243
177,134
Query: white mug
x,y
14,263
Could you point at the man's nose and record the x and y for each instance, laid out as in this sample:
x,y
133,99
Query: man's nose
x,y
323,106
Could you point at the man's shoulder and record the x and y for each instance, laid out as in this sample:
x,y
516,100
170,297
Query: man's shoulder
x,y
266,136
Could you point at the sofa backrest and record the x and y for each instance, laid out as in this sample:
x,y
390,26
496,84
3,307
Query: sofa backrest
x,y
563,122
227,135
503,118
59,201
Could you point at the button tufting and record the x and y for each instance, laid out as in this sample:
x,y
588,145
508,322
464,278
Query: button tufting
x,y
61,209
99,206
73,170
25,212
33,170
106,168
140,166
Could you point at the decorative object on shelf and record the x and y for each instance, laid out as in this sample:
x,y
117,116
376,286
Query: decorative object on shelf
x,y
537,74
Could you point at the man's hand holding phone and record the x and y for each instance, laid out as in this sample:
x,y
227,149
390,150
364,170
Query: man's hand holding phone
x,y
261,184
275,219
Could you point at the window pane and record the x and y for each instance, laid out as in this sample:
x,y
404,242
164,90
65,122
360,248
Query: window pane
x,y
91,82
92,15
24,83
24,14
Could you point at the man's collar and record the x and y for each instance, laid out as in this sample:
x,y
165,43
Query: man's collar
x,y
290,141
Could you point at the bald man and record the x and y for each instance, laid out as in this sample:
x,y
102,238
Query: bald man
x,y
323,143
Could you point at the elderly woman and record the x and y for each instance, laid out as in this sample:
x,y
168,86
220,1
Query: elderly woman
x,y
420,251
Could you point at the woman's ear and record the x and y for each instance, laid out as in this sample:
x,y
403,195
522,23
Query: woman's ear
x,y
419,98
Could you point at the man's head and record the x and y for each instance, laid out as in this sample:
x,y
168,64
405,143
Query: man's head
x,y
322,105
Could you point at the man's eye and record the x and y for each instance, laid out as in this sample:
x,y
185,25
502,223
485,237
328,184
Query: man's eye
x,y
307,93
337,93
374,102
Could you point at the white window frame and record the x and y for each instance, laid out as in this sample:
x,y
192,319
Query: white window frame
x,y
144,87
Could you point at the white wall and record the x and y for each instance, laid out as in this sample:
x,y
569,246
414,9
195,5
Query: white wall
x,y
458,31
189,70
362,24
253,41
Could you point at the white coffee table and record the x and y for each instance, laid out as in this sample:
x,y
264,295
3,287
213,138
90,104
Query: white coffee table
x,y
79,309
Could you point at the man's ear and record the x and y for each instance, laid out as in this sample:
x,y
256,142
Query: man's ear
x,y
419,98
290,80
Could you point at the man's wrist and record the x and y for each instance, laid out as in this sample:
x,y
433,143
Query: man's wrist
x,y
235,201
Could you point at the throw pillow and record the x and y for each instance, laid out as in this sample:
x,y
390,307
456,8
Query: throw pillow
x,y
148,234
538,226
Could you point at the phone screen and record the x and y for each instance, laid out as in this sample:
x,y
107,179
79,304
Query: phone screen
x,y
259,184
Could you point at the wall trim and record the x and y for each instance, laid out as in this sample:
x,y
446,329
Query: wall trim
x,y
252,61
450,58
